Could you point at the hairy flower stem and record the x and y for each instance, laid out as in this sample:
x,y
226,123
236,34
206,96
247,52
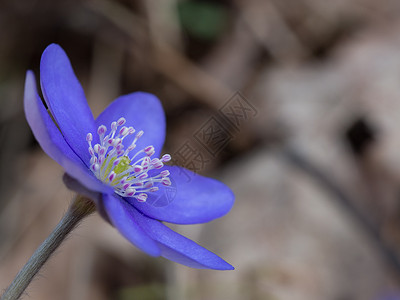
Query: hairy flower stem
x,y
80,208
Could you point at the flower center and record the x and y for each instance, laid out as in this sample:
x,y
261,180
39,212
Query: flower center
x,y
126,173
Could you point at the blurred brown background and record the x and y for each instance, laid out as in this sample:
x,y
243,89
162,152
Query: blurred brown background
x,y
310,145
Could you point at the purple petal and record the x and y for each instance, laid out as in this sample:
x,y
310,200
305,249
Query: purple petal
x,y
122,215
190,199
180,249
142,111
74,185
51,139
66,100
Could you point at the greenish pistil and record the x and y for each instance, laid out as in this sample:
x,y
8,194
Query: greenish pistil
x,y
118,167
123,165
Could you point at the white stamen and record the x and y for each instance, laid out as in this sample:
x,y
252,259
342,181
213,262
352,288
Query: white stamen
x,y
166,158
142,197
96,148
121,121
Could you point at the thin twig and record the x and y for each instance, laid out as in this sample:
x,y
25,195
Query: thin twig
x,y
303,164
164,58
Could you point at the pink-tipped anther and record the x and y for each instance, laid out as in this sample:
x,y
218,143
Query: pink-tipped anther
x,y
137,169
166,181
101,130
149,150
142,197
111,176
164,173
166,158
121,121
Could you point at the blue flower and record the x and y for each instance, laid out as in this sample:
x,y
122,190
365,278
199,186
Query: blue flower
x,y
115,160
